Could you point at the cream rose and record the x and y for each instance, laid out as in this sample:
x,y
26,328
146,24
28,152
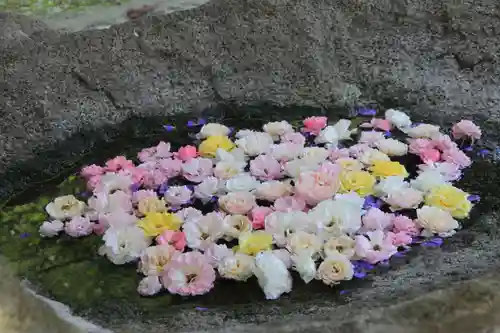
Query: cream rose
x,y
295,167
213,129
392,147
342,244
370,155
234,225
155,258
237,202
277,129
398,118
273,190
315,155
334,269
237,267
304,241
423,131
436,221
65,207
255,143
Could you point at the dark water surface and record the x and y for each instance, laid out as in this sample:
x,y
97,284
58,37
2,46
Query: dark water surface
x,y
70,271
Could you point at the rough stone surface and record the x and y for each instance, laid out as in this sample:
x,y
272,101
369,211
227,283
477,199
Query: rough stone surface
x,y
439,59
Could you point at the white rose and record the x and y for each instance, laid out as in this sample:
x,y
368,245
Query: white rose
x,y
228,169
277,128
286,151
235,155
242,183
390,185
272,274
237,267
243,133
123,245
436,221
65,207
103,202
369,156
342,244
342,128
334,269
212,129
112,182
282,224
273,190
255,144
149,286
294,168
155,258
189,215
207,189
234,225
302,241
336,216
371,137
392,147
315,155
428,180
405,198
215,253
398,118
237,202
328,135
284,256
422,131
303,264
201,233
51,229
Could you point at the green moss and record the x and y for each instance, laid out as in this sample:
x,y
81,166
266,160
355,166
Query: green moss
x,y
52,6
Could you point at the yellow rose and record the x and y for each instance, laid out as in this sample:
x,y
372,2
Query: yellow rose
x,y
151,205
252,243
388,168
451,199
210,145
361,182
156,223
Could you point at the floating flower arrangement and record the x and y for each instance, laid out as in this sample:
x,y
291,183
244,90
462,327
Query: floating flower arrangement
x,y
324,200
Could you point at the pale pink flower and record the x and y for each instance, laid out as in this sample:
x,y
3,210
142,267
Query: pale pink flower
x,y
162,150
116,219
316,186
265,167
237,202
370,138
375,219
417,146
186,153
79,226
443,142
143,194
286,151
94,182
399,239
289,204
456,156
216,253
405,198
177,196
118,163
175,238
359,149
138,175
149,286
295,138
449,171
189,215
258,216
402,223
155,178
336,153
197,169
273,190
189,274
374,249
466,129
430,155
314,125
170,167
91,171
333,169
52,228
381,124
103,203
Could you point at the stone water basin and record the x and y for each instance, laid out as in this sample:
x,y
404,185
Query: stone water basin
x,y
70,270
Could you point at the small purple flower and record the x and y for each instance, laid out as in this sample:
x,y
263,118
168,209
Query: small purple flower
x,y
363,265
135,187
371,201
434,242
474,198
387,134
199,308
191,123
168,128
467,148
231,130
342,292
202,121
366,112
483,153
24,235
359,274
163,188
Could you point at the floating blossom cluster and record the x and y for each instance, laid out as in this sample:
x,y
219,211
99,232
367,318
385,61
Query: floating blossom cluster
x,y
264,203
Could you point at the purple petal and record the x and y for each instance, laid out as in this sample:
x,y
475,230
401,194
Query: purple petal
x,y
363,265
484,152
202,121
384,263
163,188
434,242
231,130
474,198
366,112
199,308
135,187
342,292
467,148
191,123
416,240
24,235
387,134
359,275
168,128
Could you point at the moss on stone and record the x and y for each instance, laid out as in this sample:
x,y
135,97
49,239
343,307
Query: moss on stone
x,y
42,7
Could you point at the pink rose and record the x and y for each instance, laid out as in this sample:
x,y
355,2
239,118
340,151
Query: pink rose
x,y
466,129
143,194
416,146
456,156
375,219
94,182
177,196
175,238
374,249
443,142
170,167
197,169
118,163
237,202
314,125
154,178
186,153
138,175
295,138
336,153
258,215
265,167
91,171
404,224
316,186
289,204
430,155
381,124
162,150
399,239
79,227
330,168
